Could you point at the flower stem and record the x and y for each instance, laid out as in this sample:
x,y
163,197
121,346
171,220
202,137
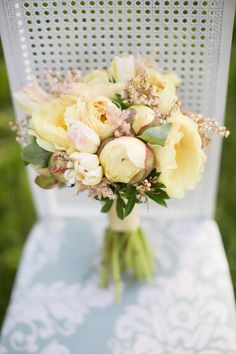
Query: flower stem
x,y
126,251
116,268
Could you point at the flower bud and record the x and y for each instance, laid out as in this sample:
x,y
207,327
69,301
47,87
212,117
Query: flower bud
x,y
57,166
122,68
149,164
126,159
142,117
83,138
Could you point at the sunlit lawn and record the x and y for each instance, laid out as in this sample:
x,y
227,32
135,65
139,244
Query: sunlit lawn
x,y
16,208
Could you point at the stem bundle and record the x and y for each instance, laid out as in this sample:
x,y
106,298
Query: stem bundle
x,y
126,251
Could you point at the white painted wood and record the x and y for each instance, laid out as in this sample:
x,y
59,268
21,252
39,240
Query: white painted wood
x,y
190,37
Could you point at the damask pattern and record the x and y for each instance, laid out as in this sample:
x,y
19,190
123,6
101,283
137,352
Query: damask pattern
x,y
57,305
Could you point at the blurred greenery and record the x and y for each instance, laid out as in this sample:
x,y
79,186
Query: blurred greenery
x,y
16,207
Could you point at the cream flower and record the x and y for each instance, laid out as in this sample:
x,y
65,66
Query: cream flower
x,y
85,169
96,76
141,116
173,77
82,137
48,124
181,160
165,85
122,68
101,114
31,96
93,89
126,160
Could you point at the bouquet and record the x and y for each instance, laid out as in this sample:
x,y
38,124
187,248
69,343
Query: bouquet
x,y
122,135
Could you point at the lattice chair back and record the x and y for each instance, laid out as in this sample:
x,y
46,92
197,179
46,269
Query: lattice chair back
x,y
192,37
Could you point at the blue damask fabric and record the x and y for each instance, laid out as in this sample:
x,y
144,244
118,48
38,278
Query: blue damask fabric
x,y
57,306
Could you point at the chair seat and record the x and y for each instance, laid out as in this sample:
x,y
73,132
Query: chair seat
x,y
57,306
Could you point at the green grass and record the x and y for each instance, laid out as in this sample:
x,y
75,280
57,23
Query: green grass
x,y
226,201
16,207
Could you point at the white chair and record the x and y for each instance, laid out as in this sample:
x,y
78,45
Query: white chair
x,y
57,306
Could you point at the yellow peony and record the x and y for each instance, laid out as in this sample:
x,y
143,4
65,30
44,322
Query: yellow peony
x,y
181,160
101,114
126,160
48,124
165,85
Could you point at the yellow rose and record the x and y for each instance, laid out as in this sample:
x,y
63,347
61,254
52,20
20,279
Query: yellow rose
x,y
122,68
141,116
126,159
165,85
181,160
48,124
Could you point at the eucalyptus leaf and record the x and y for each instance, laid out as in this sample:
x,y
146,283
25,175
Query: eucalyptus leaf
x,y
36,155
156,135
46,182
107,205
130,204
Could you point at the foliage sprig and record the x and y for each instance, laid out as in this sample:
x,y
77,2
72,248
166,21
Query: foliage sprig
x,y
127,195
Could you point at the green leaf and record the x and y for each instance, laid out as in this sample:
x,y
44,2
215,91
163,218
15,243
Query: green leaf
x,y
107,205
46,182
29,139
130,204
157,198
128,191
36,155
156,135
154,173
118,101
158,185
112,80
163,194
120,204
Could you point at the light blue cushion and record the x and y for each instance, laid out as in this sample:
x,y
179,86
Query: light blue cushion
x,y
57,306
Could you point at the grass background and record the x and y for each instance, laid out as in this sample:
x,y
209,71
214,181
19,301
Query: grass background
x,y
17,213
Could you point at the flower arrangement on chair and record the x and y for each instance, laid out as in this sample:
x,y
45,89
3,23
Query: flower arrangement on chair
x,y
122,135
